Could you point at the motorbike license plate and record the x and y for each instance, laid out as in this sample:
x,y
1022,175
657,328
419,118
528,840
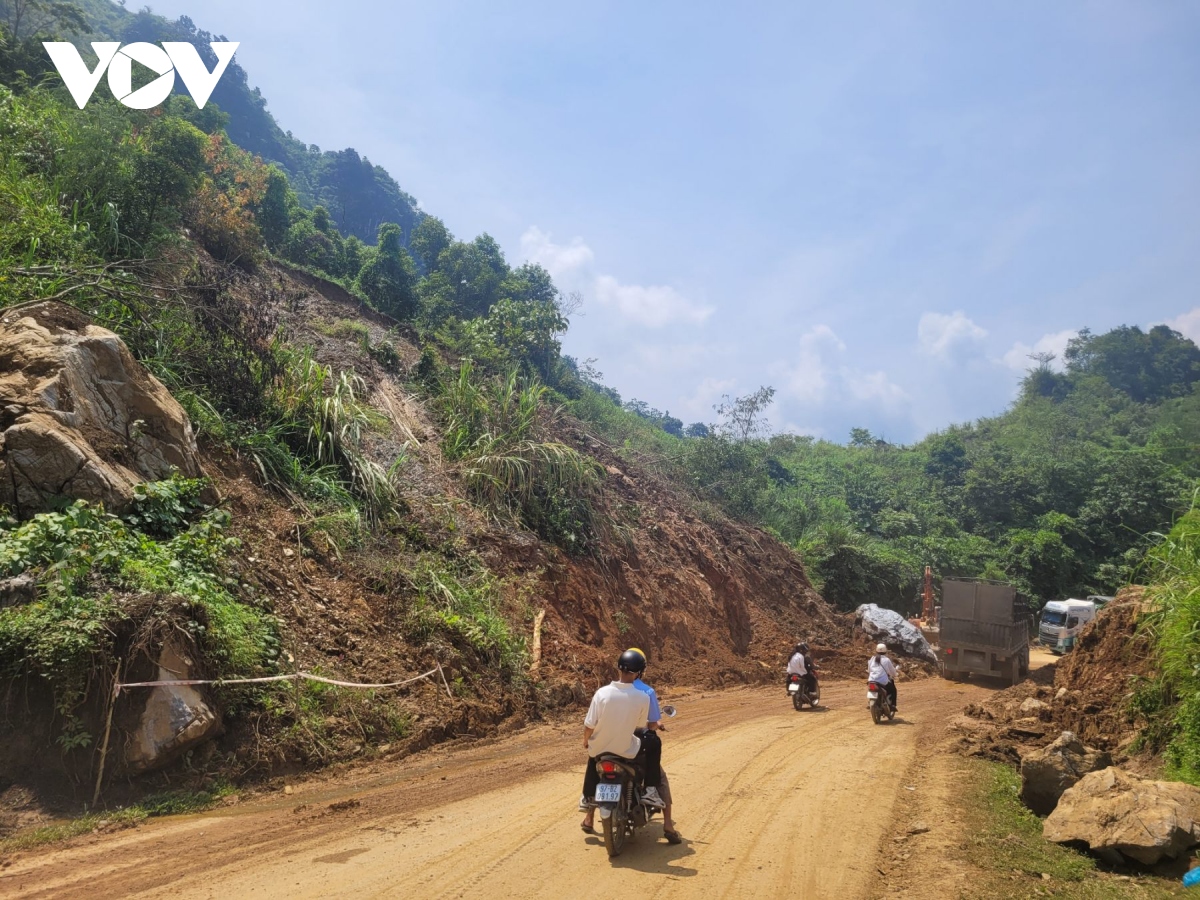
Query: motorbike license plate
x,y
872,695
792,688
608,793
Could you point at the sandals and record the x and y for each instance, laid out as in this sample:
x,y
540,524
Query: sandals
x,y
586,829
673,837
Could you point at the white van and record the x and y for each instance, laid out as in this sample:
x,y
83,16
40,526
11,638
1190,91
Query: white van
x,y
1062,621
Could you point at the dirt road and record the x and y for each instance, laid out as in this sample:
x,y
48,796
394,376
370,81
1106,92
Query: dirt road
x,y
771,803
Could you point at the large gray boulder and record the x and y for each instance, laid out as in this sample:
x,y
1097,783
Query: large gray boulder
x,y
893,629
79,416
1048,772
173,718
1121,817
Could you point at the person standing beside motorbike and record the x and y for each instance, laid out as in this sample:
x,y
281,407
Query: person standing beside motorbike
x,y
882,671
618,710
662,795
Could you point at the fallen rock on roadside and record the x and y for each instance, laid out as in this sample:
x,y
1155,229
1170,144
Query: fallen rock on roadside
x,y
1121,817
891,628
1048,772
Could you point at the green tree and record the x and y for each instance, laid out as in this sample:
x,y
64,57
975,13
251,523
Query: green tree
x,y
475,275
429,239
743,418
388,277
166,171
1148,366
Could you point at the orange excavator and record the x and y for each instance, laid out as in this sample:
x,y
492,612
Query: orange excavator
x,y
928,621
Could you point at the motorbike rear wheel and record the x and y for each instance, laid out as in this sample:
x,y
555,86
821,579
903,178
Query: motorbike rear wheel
x,y
876,715
616,829
797,702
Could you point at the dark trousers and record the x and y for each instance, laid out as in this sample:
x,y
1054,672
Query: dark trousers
x,y
890,687
648,762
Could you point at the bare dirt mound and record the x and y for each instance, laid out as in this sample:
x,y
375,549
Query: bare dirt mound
x,y
1088,691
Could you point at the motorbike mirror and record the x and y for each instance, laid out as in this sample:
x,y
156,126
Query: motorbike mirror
x,y
669,711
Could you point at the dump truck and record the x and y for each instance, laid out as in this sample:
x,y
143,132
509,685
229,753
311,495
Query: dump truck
x,y
985,627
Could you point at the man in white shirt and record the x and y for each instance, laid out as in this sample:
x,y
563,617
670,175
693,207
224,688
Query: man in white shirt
x,y
883,671
617,710
798,665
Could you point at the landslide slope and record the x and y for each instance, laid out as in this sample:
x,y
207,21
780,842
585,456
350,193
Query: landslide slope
x,y
711,600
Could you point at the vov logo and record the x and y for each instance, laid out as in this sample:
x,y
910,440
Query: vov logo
x,y
171,58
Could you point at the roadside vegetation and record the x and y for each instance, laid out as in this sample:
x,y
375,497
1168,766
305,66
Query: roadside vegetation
x,y
1169,703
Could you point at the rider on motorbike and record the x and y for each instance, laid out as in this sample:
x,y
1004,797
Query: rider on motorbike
x,y
654,748
801,664
618,711
882,671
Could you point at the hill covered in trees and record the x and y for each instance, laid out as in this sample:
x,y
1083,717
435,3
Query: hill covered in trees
x,y
358,195
1057,495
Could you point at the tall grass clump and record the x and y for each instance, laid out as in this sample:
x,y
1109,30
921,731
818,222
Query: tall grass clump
x,y
1174,624
496,428
314,446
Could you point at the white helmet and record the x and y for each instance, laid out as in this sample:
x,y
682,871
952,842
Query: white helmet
x,y
881,648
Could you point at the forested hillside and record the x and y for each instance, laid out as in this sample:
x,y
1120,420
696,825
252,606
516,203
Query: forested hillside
x,y
1058,495
358,195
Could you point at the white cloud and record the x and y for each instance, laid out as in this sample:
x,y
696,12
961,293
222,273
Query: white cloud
x,y
1018,358
572,265
818,376
560,260
699,406
1188,324
652,306
875,386
943,336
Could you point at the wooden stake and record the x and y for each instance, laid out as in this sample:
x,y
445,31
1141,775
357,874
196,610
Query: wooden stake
x,y
112,704
537,641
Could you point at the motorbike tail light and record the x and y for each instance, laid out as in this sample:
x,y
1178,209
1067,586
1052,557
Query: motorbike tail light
x,y
608,767
949,651
872,686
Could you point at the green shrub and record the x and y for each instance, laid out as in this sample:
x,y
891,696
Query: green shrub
x,y
82,556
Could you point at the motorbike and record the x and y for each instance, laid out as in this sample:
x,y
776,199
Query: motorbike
x,y
800,693
619,798
879,703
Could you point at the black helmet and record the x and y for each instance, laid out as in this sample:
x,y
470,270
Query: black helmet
x,y
802,647
632,661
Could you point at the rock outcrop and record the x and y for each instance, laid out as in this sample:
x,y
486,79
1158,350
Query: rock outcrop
x,y
79,416
893,629
1048,772
175,718
1121,817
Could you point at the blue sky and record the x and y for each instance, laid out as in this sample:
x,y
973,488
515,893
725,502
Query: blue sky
x,y
880,209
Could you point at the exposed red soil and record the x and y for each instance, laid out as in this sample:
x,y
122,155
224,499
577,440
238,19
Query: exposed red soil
x,y
1087,691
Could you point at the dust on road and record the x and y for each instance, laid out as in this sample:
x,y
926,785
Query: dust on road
x,y
771,803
